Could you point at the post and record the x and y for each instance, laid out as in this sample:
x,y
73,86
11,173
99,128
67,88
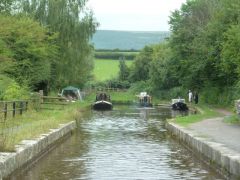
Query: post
x,y
26,107
21,107
5,110
41,96
14,109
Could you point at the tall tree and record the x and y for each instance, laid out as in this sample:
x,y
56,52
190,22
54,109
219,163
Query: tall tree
x,y
123,70
141,65
27,50
75,25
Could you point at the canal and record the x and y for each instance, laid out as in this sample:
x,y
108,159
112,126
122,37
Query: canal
x,y
126,143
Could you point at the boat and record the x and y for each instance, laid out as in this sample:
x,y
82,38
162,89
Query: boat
x,y
179,104
71,94
144,99
103,102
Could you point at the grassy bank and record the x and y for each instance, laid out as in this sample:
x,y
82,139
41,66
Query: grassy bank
x,y
33,123
204,112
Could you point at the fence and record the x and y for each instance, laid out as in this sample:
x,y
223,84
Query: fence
x,y
53,103
12,108
104,89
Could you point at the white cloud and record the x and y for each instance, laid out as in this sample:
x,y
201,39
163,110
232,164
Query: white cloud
x,y
141,15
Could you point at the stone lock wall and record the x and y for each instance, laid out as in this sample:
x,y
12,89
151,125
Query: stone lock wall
x,y
29,150
225,160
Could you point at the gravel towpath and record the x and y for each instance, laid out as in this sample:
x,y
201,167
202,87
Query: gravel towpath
x,y
219,131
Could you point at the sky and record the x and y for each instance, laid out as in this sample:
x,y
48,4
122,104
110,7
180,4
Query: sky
x,y
134,15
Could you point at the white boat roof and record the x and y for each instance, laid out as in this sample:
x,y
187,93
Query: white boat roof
x,y
178,100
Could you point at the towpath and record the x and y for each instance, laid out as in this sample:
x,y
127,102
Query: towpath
x,y
219,131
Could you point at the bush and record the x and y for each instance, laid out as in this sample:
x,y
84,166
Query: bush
x,y
141,86
15,92
5,82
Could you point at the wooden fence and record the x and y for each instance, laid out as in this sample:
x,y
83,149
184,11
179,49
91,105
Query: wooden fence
x,y
11,108
103,89
53,103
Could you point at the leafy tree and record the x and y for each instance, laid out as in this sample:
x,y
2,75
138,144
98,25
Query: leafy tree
x,y
27,50
6,6
230,53
123,70
75,26
162,71
141,65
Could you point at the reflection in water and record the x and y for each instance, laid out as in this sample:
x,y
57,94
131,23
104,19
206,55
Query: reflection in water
x,y
126,143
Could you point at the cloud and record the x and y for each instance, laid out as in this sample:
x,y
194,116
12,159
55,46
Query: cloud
x,y
134,14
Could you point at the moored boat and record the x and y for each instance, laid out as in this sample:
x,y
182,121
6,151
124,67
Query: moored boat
x,y
103,102
145,100
179,104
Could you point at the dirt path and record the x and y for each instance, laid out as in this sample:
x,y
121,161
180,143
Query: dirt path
x,y
219,131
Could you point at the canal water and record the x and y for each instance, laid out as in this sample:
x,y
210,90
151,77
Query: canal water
x,y
126,143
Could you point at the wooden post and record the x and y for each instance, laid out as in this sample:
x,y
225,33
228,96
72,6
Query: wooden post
x,y
14,109
26,107
5,111
21,107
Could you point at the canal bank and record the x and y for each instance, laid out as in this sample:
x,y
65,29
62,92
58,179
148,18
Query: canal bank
x,y
215,152
126,143
30,150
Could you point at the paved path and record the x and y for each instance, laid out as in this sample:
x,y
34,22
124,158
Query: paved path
x,y
219,131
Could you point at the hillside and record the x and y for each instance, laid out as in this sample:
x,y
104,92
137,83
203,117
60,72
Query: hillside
x,y
125,40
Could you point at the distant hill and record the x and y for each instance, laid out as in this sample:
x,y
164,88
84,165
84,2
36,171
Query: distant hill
x,y
125,40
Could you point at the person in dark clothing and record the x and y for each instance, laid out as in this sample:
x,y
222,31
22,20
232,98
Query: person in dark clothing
x,y
196,98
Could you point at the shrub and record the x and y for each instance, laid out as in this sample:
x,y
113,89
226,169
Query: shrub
x,y
15,92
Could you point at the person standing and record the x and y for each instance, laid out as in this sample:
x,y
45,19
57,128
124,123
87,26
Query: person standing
x,y
196,98
190,96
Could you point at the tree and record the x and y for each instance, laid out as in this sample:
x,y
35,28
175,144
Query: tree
x,y
141,65
123,70
27,50
75,26
6,6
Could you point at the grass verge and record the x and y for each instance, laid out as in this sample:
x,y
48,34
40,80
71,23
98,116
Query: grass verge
x,y
233,119
32,124
204,112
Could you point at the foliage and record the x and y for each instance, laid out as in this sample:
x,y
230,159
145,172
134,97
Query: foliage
x,y
202,53
117,55
27,50
6,6
75,26
10,90
123,70
140,86
15,92
141,65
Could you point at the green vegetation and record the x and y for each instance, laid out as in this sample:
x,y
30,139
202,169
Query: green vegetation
x,y
33,123
201,54
44,44
117,55
204,112
106,69
233,119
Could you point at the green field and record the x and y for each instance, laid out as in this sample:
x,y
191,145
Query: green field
x,y
106,69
